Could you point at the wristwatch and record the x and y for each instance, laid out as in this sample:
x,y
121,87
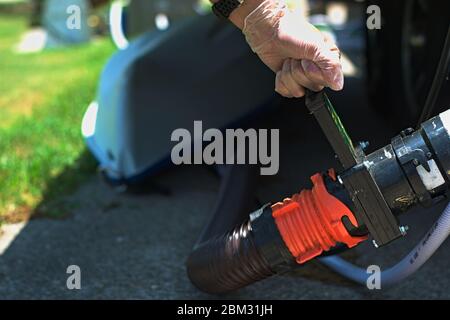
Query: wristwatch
x,y
224,8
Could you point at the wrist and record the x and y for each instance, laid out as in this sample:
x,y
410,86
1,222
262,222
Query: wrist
x,y
238,16
261,26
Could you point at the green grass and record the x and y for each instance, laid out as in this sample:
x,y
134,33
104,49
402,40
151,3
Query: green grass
x,y
42,100
12,1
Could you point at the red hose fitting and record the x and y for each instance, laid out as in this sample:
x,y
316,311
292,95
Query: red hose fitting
x,y
311,222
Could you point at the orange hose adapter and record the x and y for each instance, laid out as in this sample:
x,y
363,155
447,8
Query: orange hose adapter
x,y
311,222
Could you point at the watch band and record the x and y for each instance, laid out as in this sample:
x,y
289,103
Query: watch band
x,y
224,8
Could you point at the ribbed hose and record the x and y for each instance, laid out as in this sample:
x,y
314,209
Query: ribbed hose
x,y
224,260
407,266
227,263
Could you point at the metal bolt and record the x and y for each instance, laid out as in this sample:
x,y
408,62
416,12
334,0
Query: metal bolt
x,y
375,244
406,132
429,155
403,230
416,162
364,145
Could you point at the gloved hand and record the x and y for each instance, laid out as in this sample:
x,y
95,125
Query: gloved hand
x,y
299,53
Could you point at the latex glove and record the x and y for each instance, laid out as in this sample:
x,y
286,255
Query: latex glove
x,y
298,52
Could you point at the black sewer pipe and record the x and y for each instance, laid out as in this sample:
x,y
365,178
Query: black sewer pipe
x,y
227,257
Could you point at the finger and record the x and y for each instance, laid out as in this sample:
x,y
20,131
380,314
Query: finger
x,y
334,76
327,71
294,87
327,67
299,76
313,73
280,87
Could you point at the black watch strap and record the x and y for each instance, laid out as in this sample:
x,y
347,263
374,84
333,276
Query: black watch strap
x,y
224,8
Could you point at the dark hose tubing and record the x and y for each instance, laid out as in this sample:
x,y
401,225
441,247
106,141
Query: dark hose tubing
x,y
443,70
228,262
225,257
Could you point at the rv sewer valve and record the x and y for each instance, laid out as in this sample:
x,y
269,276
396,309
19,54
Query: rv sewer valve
x,y
341,209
